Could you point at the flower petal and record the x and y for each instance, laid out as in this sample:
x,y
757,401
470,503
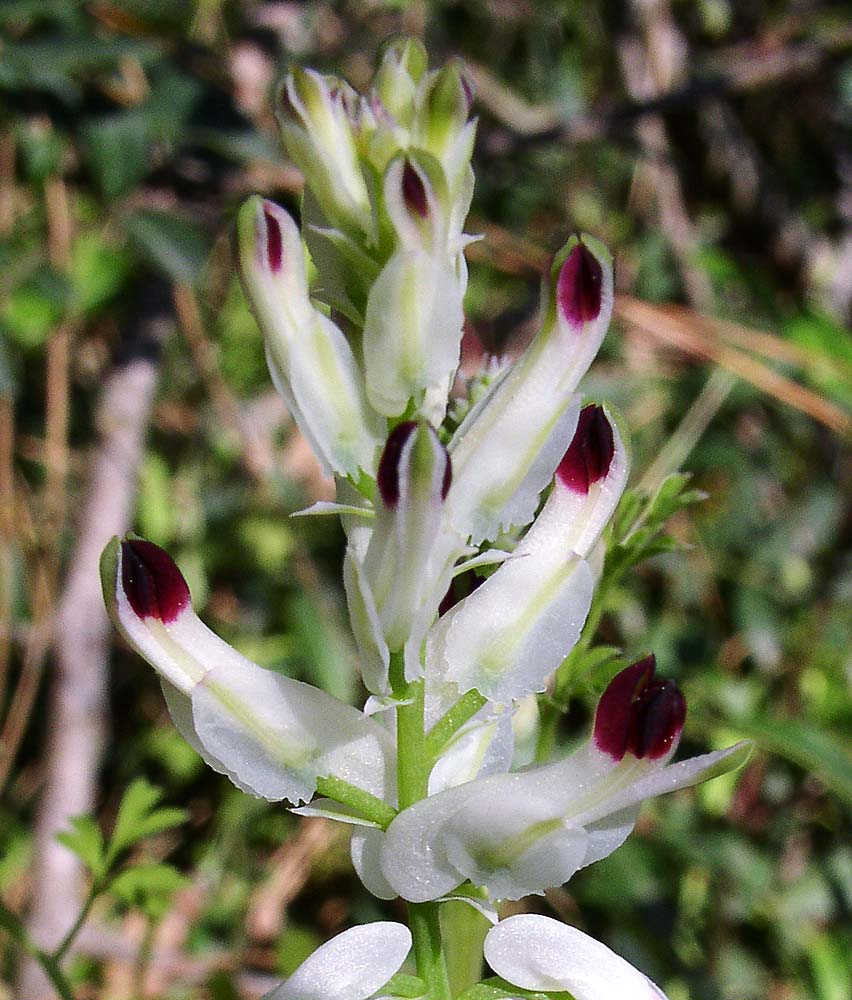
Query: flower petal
x,y
272,735
351,966
539,953
530,414
310,360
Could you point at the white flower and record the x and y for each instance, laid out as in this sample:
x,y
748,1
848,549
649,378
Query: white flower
x,y
506,449
542,954
310,360
273,736
521,833
351,966
517,627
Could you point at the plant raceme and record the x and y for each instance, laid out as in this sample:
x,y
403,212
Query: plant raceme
x,y
474,545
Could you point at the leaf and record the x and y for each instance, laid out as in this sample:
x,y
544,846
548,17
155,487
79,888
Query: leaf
x,y
404,986
499,989
117,148
86,841
800,742
174,246
149,887
138,817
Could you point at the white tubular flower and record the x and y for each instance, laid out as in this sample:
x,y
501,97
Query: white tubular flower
x,y
315,115
309,358
271,735
413,322
542,954
515,834
506,449
352,966
514,630
394,591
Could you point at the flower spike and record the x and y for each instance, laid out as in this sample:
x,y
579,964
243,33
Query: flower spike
x,y
273,736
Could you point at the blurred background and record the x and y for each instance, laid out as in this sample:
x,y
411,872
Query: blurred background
x,y
708,143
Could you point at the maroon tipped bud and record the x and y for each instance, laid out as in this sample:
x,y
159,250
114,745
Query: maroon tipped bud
x,y
414,191
387,476
274,242
590,454
638,715
579,286
151,581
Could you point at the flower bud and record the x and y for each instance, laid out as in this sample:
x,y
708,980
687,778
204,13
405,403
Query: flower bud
x,y
395,591
531,413
309,358
317,130
403,63
513,631
638,715
414,318
443,127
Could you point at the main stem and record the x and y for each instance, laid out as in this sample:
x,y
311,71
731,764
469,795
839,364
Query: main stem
x,y
413,766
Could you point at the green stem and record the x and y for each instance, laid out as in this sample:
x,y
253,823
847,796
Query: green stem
x,y
49,965
59,952
364,803
451,722
413,767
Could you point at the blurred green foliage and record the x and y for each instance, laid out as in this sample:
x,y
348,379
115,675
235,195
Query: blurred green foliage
x,y
130,130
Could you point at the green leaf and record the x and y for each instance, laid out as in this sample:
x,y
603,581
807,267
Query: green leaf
x,y
404,986
802,743
174,246
138,817
499,989
86,841
117,150
149,887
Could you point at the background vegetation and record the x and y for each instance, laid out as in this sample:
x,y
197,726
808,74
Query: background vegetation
x,y
709,144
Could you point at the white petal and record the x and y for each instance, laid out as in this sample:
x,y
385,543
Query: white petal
x,y
366,625
504,454
660,781
539,953
351,966
325,508
412,330
277,736
511,632
483,747
365,849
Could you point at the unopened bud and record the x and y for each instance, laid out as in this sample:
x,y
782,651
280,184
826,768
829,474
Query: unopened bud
x,y
152,583
639,715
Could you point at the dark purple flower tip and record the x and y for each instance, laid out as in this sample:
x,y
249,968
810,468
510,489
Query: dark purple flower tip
x,y
414,191
274,241
387,476
589,456
579,286
638,715
152,583
467,87
388,472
